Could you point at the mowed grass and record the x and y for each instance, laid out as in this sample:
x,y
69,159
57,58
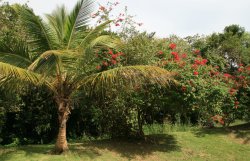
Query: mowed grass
x,y
160,144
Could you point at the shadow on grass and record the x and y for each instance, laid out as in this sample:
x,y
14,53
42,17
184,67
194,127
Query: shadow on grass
x,y
92,149
132,149
239,132
6,153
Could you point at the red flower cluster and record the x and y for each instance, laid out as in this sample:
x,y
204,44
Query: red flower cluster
x,y
240,69
109,58
196,73
102,8
183,88
172,46
200,62
236,104
160,52
218,119
194,66
98,67
114,56
197,51
176,56
214,73
232,91
104,63
227,75
110,52
184,56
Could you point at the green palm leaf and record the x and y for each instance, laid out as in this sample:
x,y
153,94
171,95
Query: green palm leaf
x,y
42,37
92,35
54,62
57,21
107,41
9,72
15,53
78,19
129,76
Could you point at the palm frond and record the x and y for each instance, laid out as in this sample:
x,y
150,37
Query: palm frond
x,y
107,41
54,61
42,37
92,35
57,21
129,76
15,53
9,73
77,19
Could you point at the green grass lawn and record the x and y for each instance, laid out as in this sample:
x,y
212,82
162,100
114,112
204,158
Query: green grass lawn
x,y
220,144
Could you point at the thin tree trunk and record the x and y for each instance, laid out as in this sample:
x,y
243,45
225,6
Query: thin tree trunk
x,y
139,119
61,142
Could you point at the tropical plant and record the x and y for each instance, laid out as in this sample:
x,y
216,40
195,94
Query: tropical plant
x,y
59,54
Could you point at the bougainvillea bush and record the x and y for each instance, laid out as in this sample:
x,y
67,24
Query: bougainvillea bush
x,y
215,96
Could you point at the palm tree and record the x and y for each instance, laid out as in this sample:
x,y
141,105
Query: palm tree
x,y
59,55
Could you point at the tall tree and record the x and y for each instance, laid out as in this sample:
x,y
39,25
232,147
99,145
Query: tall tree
x,y
59,54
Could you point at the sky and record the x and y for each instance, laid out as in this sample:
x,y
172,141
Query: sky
x,y
166,17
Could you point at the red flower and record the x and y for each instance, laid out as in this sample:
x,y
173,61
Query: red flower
x,y
177,58
172,46
114,62
197,62
196,73
240,69
174,53
204,61
114,56
105,63
160,52
232,91
195,66
241,77
183,88
102,8
98,67
221,121
117,24
227,75
197,51
184,55
110,52
214,73
236,104
120,54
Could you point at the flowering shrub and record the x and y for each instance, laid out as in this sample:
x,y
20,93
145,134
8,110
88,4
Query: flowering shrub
x,y
204,89
123,23
107,59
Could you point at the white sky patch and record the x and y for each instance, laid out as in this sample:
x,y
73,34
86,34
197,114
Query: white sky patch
x,y
165,17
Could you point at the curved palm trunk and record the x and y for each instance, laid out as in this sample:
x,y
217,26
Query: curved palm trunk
x,y
63,112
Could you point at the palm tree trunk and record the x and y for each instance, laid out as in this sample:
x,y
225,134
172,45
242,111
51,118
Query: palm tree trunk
x,y
61,142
